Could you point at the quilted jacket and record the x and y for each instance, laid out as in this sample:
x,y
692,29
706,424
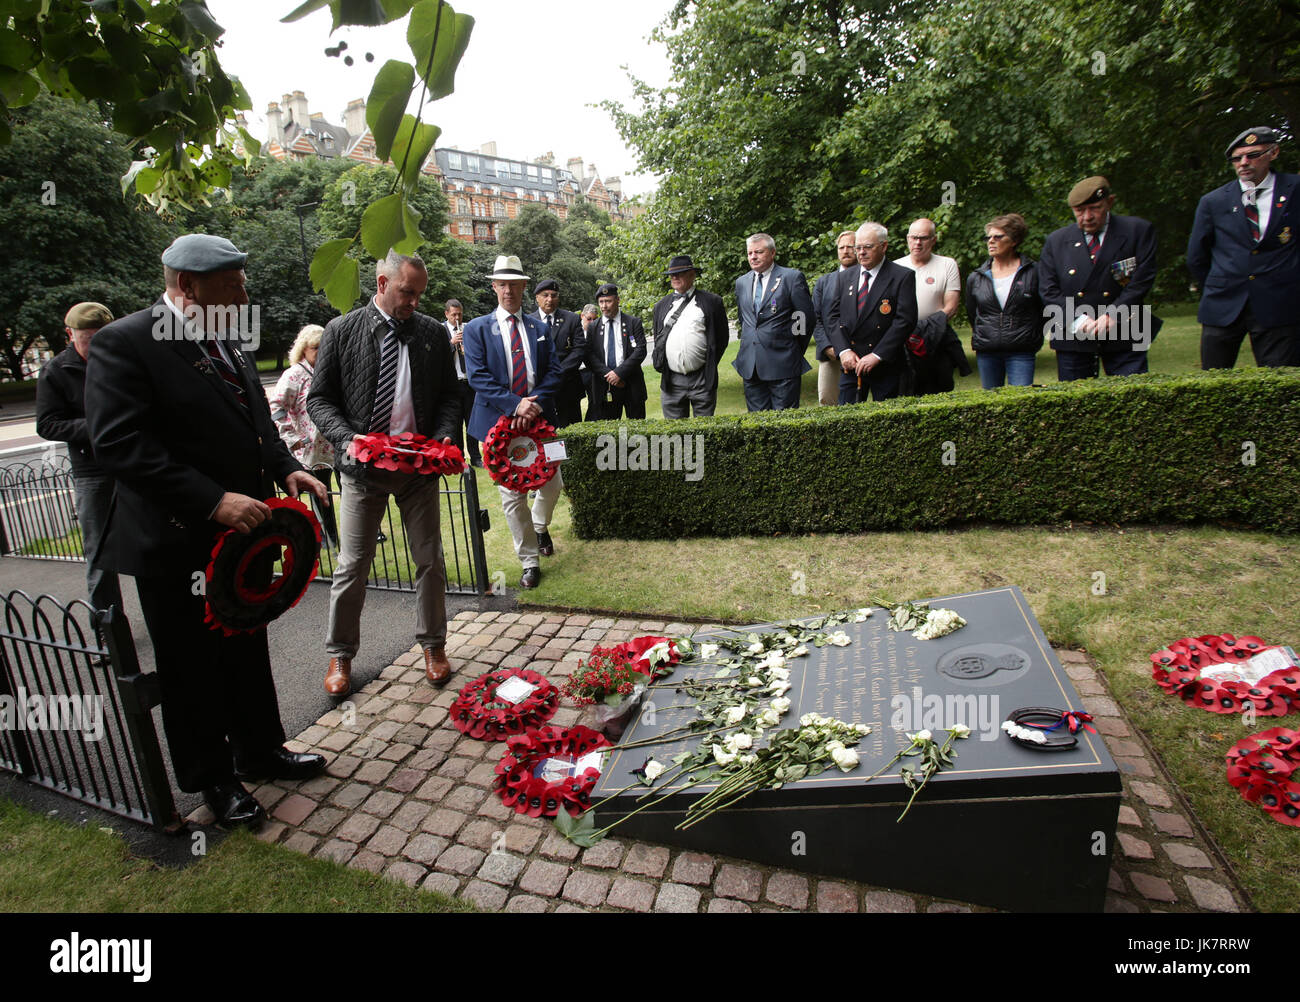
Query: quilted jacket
x,y
347,371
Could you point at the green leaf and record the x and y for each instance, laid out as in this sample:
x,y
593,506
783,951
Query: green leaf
x,y
334,273
298,13
437,67
201,21
17,89
252,147
386,105
382,225
411,146
147,180
397,8
579,831
17,52
369,12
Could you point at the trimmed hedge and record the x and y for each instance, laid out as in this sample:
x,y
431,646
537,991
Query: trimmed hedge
x,y
1152,448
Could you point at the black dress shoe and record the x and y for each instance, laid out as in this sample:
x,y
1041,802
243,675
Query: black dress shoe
x,y
544,545
234,806
282,764
532,577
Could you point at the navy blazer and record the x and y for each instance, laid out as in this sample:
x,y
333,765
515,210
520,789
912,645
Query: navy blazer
x,y
772,344
1067,273
634,351
823,290
888,317
487,366
1234,270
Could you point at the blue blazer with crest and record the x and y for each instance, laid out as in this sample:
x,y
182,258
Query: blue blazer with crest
x,y
487,367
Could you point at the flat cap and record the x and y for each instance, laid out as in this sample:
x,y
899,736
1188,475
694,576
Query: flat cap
x,y
202,252
1090,189
545,285
1261,135
88,316
608,289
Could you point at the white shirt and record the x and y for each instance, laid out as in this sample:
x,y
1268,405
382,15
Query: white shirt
x,y
934,280
457,355
618,340
686,350
761,277
503,322
403,419
1263,199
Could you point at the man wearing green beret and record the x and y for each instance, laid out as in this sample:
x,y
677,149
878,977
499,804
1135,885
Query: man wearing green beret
x,y
61,417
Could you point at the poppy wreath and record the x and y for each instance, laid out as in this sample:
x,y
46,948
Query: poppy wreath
x,y
1177,670
478,713
407,453
503,453
539,798
241,593
1261,769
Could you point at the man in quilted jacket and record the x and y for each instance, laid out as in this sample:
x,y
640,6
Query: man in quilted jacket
x,y
386,368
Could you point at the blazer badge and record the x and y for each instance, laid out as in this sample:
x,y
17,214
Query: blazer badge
x,y
1122,271
1284,235
885,308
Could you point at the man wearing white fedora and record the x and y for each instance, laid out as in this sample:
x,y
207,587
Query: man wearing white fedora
x,y
513,370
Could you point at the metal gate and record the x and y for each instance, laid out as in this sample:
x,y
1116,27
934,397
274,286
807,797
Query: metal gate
x,y
76,714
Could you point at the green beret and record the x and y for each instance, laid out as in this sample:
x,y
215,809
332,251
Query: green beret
x,y
202,252
1090,189
88,316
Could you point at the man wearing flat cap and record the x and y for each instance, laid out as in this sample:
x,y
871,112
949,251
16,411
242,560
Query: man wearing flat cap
x,y
178,418
385,368
61,417
615,350
1094,277
1244,253
690,331
565,334
515,373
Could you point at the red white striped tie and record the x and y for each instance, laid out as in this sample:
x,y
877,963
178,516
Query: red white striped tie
x,y
518,364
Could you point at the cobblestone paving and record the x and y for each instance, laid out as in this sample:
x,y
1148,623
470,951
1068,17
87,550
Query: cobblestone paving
x,y
408,796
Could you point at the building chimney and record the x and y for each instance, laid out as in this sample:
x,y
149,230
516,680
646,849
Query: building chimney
x,y
354,118
274,126
299,105
614,185
575,167
488,149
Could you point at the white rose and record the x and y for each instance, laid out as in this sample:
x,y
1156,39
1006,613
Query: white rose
x,y
960,730
807,719
833,746
747,759
845,758
781,704
779,688
799,651
755,648
862,728
920,736
653,770
769,717
708,650
773,660
722,756
779,673
735,714
739,742
753,681
861,615
840,639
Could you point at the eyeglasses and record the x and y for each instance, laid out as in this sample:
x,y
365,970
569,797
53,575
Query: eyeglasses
x,y
1241,158
994,237
930,237
867,246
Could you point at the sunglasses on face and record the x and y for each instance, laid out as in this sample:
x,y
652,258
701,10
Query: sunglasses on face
x,y
1241,158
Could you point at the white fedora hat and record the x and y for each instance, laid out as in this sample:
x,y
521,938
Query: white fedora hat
x,y
508,268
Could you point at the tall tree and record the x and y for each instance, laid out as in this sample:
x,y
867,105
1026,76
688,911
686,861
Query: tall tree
x,y
533,236
73,237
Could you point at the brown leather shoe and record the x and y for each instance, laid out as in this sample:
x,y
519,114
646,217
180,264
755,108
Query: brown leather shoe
x,y
338,679
437,669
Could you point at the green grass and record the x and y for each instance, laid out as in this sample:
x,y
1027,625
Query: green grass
x,y
51,866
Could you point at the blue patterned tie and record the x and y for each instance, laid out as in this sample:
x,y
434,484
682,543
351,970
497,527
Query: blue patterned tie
x,y
758,292
382,416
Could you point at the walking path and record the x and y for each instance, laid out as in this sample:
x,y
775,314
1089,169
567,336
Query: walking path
x,y
408,796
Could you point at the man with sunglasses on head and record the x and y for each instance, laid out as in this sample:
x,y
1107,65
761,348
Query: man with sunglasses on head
x,y
1243,252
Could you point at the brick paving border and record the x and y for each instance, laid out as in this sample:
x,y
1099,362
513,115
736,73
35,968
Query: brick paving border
x,y
408,796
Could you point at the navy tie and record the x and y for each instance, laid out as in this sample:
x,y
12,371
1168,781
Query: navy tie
x,y
382,416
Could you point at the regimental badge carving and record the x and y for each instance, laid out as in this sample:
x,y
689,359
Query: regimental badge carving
x,y
970,666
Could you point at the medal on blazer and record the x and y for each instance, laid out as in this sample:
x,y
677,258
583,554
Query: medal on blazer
x,y
885,308
1285,235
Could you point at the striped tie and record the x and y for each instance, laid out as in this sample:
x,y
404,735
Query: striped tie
x,y
227,373
382,416
518,364
862,292
1252,212
1093,245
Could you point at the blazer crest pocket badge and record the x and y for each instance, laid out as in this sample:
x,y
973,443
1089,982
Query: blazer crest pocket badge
x,y
885,308
1122,271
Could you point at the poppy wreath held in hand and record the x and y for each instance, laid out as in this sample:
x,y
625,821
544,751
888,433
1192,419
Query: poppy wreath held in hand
x,y
517,459
519,786
479,712
242,596
1262,769
407,453
1199,671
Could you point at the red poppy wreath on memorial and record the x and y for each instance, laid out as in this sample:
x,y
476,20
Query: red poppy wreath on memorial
x,y
241,593
407,453
517,459
1198,670
525,783
482,714
1262,769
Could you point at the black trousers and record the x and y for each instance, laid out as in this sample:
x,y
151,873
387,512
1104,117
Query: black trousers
x,y
1271,346
218,695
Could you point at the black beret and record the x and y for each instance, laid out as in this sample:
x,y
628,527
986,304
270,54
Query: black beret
x,y
608,289
546,284
1259,136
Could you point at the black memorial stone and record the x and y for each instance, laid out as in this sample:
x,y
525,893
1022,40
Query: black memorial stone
x,y
1006,826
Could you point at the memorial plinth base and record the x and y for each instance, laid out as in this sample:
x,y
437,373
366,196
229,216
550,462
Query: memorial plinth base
x,y
1006,826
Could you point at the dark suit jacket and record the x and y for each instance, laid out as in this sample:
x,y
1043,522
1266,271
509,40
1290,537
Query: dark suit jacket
x,y
61,409
488,366
169,430
1234,270
887,320
772,344
823,291
569,342
1067,274
716,331
634,352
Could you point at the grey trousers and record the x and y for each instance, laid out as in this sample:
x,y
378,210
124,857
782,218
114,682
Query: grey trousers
x,y
361,514
679,394
94,498
526,523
